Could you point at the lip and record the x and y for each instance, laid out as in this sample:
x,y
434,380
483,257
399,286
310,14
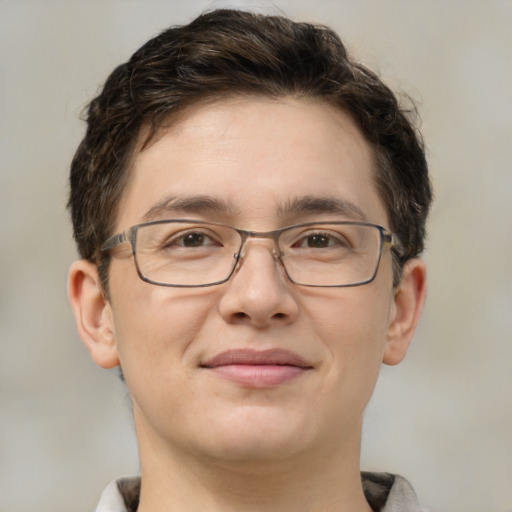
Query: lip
x,y
257,369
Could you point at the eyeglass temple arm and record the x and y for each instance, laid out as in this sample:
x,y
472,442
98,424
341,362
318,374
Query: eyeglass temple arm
x,y
394,242
114,241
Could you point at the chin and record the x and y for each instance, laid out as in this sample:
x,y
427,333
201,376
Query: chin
x,y
258,434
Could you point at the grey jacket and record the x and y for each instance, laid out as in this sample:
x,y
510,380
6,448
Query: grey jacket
x,y
384,492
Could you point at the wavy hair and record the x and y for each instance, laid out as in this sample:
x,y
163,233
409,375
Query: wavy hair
x,y
227,53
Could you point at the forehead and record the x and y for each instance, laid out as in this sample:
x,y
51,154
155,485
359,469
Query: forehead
x,y
249,160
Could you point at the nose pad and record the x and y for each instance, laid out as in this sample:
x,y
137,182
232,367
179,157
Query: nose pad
x,y
240,255
258,293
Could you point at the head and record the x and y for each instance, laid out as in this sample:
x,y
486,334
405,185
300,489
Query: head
x,y
226,54
268,120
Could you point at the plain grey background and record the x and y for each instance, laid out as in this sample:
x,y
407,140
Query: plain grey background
x,y
443,418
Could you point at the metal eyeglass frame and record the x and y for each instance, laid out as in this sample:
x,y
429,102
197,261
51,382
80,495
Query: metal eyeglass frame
x,y
130,235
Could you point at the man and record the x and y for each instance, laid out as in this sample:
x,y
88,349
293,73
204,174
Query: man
x,y
249,205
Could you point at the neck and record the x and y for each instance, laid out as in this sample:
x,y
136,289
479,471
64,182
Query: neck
x,y
178,480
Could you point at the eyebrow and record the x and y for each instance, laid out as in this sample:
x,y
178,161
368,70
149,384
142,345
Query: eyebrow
x,y
327,205
199,205
207,206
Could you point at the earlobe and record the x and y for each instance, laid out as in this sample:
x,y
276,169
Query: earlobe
x,y
93,313
408,303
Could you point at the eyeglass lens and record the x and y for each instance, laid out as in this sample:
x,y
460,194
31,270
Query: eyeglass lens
x,y
199,254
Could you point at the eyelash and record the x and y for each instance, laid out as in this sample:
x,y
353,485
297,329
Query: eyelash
x,y
177,240
337,238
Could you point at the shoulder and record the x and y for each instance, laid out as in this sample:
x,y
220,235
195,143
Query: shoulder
x,y
121,495
389,493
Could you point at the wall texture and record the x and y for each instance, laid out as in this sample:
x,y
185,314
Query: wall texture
x,y
443,418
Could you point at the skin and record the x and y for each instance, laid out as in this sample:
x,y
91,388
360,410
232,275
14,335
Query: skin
x,y
207,442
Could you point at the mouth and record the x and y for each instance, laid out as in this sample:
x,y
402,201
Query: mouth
x,y
258,369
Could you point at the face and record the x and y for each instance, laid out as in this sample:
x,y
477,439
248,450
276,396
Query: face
x,y
255,367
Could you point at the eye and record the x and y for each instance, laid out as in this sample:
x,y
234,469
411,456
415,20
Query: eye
x,y
321,241
191,240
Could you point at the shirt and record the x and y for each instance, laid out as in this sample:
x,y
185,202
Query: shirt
x,y
383,491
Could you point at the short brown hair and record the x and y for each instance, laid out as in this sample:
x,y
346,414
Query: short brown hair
x,y
225,53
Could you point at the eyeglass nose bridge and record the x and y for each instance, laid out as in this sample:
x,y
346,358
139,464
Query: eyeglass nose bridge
x,y
246,235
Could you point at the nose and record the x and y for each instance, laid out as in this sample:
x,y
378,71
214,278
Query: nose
x,y
259,293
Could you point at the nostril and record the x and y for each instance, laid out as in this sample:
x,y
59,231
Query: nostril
x,y
279,315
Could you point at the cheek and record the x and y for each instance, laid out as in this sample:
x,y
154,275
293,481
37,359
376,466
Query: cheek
x,y
154,326
352,325
153,341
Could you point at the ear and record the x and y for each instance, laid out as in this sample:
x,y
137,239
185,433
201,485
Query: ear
x,y
406,310
93,313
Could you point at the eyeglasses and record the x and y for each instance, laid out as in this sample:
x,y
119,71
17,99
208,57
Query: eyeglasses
x,y
190,253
